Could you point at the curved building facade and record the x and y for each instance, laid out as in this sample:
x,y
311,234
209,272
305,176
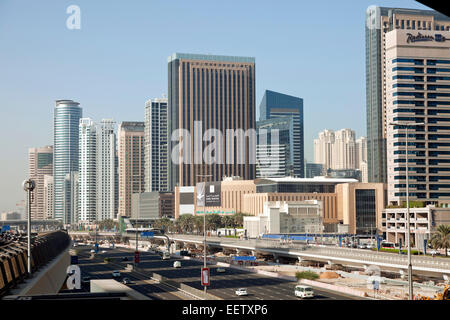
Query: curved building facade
x,y
66,120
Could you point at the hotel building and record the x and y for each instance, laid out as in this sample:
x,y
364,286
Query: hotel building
x,y
380,21
418,91
211,92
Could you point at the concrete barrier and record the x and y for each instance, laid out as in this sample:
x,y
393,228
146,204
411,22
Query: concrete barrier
x,y
333,287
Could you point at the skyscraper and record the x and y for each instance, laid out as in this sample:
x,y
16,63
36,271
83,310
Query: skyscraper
x,y
274,156
211,92
67,114
379,21
87,171
40,164
276,105
339,150
323,149
344,150
106,170
417,92
97,175
157,160
131,163
48,196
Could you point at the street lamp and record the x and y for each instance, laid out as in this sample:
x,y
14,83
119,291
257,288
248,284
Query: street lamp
x,y
407,125
28,186
204,222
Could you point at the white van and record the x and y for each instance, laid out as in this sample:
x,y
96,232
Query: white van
x,y
304,292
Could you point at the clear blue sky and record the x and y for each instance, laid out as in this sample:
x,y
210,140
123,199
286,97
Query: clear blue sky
x,y
118,60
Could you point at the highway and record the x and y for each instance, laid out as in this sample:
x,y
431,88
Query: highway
x,y
223,285
97,269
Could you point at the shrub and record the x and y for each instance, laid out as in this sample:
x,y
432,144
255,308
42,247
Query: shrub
x,y
107,260
309,275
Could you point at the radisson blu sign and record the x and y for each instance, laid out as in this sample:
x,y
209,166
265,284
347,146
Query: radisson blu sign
x,y
420,38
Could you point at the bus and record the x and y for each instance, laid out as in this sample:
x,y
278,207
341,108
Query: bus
x,y
386,244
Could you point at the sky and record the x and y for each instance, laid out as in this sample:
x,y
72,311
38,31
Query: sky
x,y
118,59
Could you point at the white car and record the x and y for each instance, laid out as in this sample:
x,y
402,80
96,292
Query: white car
x,y
304,292
434,252
116,274
220,270
177,264
92,251
103,251
241,292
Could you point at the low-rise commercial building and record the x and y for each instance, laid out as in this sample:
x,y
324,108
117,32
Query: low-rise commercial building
x,y
287,218
151,205
423,221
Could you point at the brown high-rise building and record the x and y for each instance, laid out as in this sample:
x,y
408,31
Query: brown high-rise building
x,y
131,164
211,92
40,164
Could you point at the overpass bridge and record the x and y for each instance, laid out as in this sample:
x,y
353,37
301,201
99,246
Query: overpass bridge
x,y
423,265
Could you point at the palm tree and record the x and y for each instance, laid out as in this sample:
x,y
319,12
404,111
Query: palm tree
x,y
198,223
441,239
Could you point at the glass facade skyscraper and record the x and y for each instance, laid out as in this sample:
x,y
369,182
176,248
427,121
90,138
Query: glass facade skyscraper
x,y
276,105
67,114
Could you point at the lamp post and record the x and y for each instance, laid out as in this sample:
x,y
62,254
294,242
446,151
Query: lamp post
x,y
204,222
28,186
408,226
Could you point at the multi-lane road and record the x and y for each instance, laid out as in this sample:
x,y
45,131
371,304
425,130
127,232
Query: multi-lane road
x,y
223,285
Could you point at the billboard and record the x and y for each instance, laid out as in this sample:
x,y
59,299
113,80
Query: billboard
x,y
209,194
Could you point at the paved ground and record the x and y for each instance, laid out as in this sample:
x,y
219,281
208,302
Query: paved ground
x,y
223,285
97,269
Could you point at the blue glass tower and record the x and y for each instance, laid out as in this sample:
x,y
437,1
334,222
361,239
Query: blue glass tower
x,y
67,116
278,105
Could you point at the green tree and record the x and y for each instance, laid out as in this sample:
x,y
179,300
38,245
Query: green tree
x,y
198,224
239,219
186,222
441,239
227,222
107,224
213,222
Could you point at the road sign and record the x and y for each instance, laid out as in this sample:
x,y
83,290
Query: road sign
x,y
136,257
244,258
205,277
147,234
6,228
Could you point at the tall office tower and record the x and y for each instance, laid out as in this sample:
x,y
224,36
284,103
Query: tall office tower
x,y
344,150
323,149
48,196
88,171
418,91
106,170
276,105
40,164
71,192
211,92
156,145
274,157
131,164
67,116
379,21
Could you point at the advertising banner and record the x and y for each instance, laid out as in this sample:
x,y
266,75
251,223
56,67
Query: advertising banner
x,y
209,194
